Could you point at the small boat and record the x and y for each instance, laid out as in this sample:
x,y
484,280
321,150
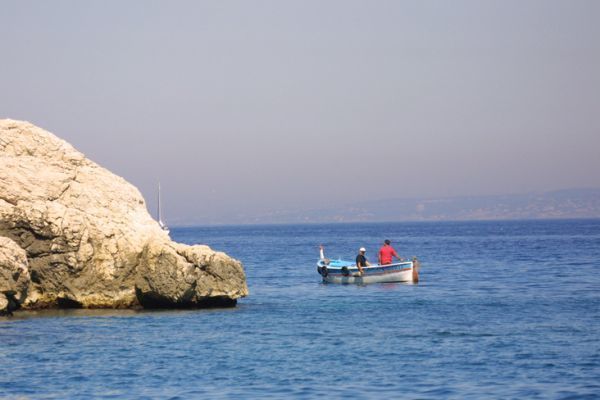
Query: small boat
x,y
163,226
340,271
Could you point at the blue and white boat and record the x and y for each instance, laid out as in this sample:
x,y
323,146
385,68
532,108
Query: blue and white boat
x,y
341,271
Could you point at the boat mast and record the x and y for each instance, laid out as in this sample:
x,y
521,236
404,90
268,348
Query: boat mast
x,y
160,222
159,212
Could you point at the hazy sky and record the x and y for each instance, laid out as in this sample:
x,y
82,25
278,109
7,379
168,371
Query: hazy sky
x,y
245,107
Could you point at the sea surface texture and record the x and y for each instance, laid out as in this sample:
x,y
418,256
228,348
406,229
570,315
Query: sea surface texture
x,y
503,310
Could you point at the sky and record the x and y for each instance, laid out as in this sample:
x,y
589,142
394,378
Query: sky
x,y
242,108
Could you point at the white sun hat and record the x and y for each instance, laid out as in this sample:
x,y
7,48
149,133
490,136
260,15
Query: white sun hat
x,y
362,249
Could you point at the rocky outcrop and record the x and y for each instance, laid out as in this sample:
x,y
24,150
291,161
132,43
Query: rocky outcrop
x,y
14,276
176,274
89,239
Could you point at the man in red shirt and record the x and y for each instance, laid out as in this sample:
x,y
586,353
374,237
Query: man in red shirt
x,y
386,253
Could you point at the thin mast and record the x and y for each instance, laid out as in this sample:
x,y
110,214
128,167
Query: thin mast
x,y
159,213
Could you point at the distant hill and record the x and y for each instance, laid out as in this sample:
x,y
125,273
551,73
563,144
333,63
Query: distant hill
x,y
571,203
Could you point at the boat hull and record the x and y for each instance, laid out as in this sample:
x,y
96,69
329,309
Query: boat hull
x,y
336,272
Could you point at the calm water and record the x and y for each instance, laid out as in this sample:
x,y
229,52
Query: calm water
x,y
504,310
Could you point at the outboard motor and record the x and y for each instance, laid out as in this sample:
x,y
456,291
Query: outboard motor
x,y
415,270
324,271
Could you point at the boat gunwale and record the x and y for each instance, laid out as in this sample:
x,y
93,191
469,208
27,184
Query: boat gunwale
x,y
320,263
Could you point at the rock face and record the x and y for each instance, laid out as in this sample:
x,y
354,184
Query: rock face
x,y
88,237
14,276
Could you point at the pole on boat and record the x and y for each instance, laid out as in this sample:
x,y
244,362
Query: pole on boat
x,y
416,265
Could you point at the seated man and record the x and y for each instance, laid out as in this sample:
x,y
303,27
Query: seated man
x,y
361,260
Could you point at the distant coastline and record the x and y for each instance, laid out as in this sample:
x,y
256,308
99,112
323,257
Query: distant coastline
x,y
582,203
449,221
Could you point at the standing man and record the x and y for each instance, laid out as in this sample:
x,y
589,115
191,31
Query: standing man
x,y
386,253
361,260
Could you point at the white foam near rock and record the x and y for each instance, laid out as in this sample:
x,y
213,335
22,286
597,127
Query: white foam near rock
x,y
89,239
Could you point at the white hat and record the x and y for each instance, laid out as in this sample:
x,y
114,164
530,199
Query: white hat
x,y
362,249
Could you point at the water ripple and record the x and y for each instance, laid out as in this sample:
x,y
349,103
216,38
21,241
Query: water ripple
x,y
484,322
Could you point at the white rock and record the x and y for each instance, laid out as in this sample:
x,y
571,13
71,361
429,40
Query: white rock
x,y
14,276
89,238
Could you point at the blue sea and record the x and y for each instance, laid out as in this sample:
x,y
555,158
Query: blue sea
x,y
503,310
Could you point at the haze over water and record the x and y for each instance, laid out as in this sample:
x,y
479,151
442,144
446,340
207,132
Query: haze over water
x,y
244,108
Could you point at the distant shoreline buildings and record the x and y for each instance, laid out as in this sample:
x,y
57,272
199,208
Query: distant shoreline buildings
x,y
561,204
